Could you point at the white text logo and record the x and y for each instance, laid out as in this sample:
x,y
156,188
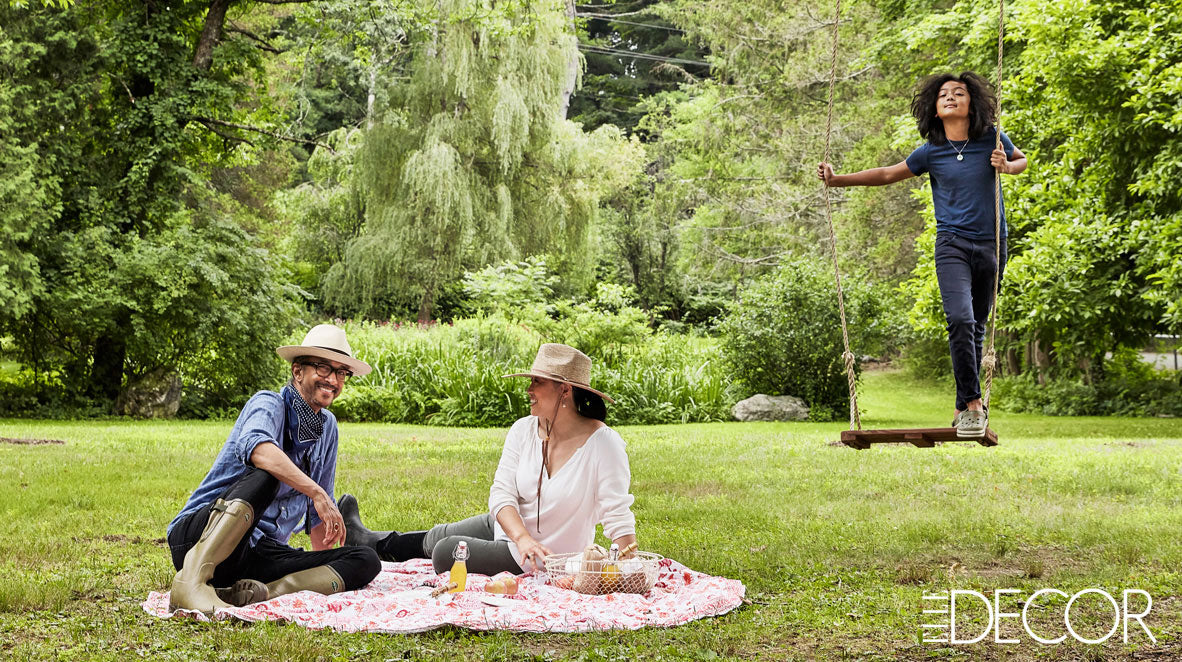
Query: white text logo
x,y
941,609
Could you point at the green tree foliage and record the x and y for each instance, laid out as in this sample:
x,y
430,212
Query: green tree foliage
x,y
615,84
111,133
348,53
472,162
1102,209
197,292
326,212
603,325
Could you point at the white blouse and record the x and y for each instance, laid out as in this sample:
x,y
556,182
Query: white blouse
x,y
591,488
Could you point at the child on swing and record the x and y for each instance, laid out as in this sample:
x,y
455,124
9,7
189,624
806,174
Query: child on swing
x,y
955,114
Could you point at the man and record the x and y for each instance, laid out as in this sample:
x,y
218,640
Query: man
x,y
276,469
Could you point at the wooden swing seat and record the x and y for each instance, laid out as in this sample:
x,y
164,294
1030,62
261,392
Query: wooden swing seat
x,y
921,438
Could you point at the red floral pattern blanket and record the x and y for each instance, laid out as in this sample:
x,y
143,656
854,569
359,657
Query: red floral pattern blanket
x,y
398,601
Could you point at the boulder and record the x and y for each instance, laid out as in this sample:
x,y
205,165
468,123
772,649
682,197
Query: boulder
x,y
154,395
762,407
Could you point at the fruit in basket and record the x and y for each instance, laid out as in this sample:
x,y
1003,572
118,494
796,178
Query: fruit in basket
x,y
566,581
503,586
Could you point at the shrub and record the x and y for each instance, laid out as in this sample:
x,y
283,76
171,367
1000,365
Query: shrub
x,y
927,358
1056,398
1129,387
509,287
783,336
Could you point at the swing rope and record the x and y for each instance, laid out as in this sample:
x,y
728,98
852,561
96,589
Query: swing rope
x,y
855,416
989,360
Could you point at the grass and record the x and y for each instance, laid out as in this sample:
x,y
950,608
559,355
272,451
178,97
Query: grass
x,y
836,547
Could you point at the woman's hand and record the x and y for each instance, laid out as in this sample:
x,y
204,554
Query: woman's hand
x,y
532,552
999,161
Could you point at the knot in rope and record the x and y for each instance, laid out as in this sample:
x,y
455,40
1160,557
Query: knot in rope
x,y
989,361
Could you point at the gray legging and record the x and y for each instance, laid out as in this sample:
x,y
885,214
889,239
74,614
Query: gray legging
x,y
485,555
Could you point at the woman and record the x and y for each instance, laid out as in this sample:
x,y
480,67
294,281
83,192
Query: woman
x,y
955,114
562,471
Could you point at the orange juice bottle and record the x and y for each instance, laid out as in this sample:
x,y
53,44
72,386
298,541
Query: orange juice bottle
x,y
611,571
459,569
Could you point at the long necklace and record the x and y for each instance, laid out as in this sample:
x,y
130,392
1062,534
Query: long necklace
x,y
959,155
545,461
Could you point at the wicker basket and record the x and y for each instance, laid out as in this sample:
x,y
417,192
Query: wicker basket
x,y
635,574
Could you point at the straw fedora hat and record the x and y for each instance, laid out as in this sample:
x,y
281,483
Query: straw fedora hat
x,y
562,363
326,341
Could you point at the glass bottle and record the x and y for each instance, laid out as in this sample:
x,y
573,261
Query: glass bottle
x,y
611,570
459,569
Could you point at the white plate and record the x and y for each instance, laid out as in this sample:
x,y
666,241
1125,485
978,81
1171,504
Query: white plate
x,y
497,601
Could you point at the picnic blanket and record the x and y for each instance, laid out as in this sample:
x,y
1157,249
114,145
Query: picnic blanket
x,y
398,601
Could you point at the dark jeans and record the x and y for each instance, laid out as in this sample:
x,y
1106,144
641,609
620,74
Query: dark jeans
x,y
965,269
268,560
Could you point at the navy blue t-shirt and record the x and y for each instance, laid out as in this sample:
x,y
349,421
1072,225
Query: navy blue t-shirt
x,y
962,190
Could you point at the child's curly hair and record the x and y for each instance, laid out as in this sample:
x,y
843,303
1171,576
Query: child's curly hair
x,y
982,105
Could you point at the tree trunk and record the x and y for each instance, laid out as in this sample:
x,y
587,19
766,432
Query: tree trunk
x,y
106,370
36,345
1013,364
1042,361
211,34
572,65
427,304
371,98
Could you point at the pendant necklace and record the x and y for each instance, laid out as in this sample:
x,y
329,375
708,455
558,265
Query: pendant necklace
x,y
959,155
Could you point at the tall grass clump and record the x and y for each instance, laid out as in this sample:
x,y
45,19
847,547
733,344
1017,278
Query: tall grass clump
x,y
446,374
451,374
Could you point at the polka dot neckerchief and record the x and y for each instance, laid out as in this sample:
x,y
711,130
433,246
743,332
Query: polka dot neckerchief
x,y
311,423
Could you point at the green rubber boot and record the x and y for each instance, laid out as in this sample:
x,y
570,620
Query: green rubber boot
x,y
228,522
321,579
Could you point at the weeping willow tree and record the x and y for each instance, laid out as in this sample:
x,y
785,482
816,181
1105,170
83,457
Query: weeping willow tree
x,y
473,160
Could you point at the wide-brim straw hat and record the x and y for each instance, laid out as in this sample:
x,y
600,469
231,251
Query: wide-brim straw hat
x,y
326,341
562,363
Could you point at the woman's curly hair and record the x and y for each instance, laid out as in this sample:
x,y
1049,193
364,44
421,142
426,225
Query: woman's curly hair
x,y
982,106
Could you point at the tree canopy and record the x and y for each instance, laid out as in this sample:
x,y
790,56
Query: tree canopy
x,y
181,185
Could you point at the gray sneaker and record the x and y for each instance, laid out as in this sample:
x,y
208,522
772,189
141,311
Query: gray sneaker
x,y
955,420
971,424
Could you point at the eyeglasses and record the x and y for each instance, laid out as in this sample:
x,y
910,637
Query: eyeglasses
x,y
324,370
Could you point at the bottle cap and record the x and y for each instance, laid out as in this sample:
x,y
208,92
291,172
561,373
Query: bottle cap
x,y
461,553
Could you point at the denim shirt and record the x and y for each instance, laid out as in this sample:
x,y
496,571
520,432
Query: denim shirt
x,y
270,417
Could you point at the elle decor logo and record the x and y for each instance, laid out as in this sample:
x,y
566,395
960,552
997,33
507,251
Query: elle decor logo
x,y
941,610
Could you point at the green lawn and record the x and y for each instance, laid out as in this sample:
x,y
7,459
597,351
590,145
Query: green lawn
x,y
836,546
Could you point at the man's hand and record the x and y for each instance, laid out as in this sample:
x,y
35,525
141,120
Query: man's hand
x,y
269,458
333,522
